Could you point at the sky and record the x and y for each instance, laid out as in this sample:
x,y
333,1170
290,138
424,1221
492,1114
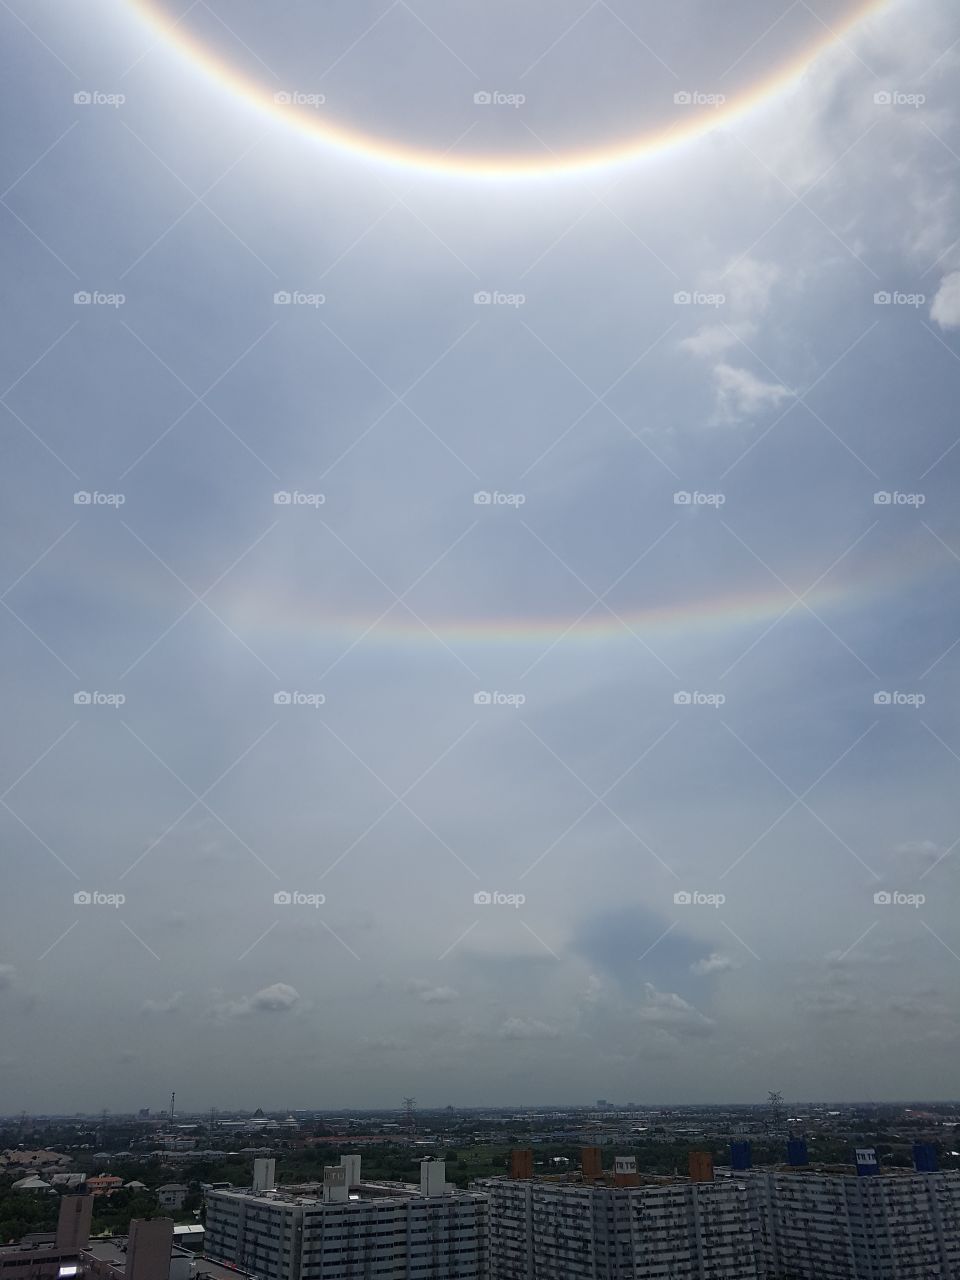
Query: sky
x,y
480,552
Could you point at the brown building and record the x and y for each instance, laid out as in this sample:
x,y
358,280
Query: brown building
x,y
701,1166
49,1257
104,1184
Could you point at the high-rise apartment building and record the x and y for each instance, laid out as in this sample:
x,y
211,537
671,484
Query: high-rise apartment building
x,y
664,1229
820,1224
343,1228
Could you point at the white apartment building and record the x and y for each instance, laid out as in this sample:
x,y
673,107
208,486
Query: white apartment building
x,y
814,1224
345,1229
679,1230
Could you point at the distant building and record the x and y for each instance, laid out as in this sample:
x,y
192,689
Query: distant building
x,y
172,1195
73,1181
13,1158
104,1184
31,1183
344,1228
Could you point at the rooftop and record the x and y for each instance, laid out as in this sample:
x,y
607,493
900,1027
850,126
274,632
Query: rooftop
x,y
311,1193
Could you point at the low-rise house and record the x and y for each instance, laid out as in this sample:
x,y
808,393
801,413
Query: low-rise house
x,y
172,1195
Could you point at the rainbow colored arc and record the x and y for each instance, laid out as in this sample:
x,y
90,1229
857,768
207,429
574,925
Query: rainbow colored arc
x,y
517,167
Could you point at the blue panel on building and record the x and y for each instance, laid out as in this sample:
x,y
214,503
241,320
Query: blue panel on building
x,y
867,1162
797,1151
925,1157
741,1155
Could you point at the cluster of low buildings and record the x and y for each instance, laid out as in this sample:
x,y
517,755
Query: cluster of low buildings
x,y
735,1222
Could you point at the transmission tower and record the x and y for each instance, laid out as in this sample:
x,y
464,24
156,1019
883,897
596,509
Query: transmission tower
x,y
410,1114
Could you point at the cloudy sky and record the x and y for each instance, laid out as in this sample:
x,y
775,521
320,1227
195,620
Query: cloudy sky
x,y
481,551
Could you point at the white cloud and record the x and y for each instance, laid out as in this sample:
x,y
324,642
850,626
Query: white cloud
x,y
670,1012
429,994
828,1002
945,308
7,974
741,393
713,340
749,283
713,963
278,998
169,1005
526,1029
